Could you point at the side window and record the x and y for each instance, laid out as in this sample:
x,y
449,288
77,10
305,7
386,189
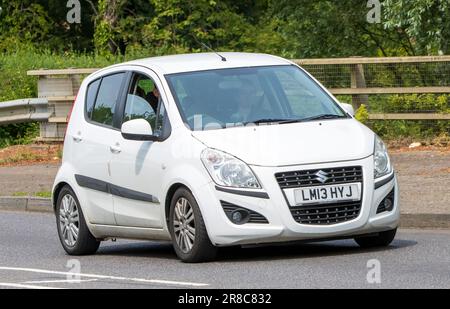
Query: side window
x,y
107,97
90,97
143,102
138,108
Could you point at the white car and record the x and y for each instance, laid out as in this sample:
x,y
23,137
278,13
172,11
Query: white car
x,y
211,150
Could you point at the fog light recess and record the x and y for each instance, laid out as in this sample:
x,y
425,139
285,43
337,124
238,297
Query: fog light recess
x,y
387,204
240,215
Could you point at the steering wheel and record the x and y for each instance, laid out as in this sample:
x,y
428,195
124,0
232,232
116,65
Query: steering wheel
x,y
147,114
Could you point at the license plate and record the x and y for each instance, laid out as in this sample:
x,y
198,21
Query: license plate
x,y
328,194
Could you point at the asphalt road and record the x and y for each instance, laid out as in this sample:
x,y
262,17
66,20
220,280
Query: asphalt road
x,y
31,257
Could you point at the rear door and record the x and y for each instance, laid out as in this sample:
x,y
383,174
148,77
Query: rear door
x,y
92,146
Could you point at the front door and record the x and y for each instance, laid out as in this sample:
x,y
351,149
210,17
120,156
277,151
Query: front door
x,y
137,166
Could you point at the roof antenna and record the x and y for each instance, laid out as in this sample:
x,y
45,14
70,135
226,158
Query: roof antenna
x,y
212,50
209,48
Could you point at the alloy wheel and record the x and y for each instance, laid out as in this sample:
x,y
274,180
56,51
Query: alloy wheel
x,y
184,225
69,220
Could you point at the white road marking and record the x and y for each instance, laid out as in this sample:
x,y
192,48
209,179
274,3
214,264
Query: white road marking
x,y
63,273
27,286
60,281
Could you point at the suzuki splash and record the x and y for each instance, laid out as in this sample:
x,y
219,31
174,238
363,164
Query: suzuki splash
x,y
207,150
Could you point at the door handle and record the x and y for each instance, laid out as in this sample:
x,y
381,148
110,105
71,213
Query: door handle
x,y
77,138
115,149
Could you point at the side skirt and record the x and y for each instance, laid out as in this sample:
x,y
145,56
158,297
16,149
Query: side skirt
x,y
139,233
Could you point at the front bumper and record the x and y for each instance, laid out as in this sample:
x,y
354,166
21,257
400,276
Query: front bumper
x,y
282,226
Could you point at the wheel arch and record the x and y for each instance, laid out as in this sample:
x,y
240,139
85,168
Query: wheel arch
x,y
170,193
56,190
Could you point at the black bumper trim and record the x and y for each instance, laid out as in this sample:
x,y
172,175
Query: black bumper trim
x,y
102,186
263,195
384,181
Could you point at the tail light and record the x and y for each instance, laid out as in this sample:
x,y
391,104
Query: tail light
x,y
70,114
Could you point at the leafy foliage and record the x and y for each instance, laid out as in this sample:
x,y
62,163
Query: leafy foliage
x,y
291,28
426,23
35,34
412,103
362,114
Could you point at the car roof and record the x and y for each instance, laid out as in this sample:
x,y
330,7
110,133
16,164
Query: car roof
x,y
207,61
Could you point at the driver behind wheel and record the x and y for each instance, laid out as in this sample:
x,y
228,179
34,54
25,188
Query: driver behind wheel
x,y
147,89
247,103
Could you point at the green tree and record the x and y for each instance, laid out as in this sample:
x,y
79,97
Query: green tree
x,y
106,35
326,28
43,24
180,26
23,21
426,23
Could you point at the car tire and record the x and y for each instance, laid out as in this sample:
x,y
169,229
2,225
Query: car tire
x,y
383,239
187,228
73,232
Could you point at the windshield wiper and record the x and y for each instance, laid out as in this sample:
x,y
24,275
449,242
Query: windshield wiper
x,y
323,116
286,121
269,120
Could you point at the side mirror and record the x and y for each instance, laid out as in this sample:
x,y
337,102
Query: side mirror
x,y
348,108
137,130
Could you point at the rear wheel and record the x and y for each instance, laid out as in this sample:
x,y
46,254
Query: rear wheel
x,y
187,228
383,239
73,232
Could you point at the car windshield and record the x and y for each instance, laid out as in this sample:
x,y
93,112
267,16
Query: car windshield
x,y
226,98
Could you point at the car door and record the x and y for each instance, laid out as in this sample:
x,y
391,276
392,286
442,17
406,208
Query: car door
x,y
137,166
91,146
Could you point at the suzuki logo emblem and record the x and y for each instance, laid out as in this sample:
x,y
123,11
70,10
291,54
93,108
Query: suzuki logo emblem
x,y
321,176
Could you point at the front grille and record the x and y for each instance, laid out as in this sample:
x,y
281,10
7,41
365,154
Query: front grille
x,y
253,216
308,178
326,214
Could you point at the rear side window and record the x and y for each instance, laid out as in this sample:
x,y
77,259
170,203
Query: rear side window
x,y
107,98
90,97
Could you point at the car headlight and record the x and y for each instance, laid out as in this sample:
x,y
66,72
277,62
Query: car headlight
x,y
382,163
228,171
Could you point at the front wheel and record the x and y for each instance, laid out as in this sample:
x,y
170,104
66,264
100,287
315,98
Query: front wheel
x,y
383,239
73,232
187,228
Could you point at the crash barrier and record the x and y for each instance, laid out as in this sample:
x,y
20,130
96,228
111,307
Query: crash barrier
x,y
24,110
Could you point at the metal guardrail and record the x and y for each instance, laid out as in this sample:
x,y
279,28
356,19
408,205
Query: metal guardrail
x,y
24,110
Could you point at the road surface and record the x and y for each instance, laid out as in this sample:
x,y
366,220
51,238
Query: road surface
x,y
31,257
